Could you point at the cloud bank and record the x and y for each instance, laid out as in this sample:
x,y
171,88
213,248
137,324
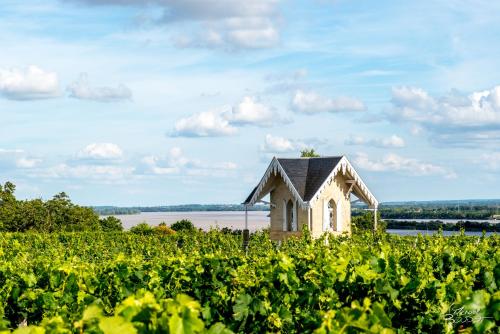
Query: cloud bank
x,y
30,83
17,159
309,102
175,162
223,24
81,89
224,122
455,118
393,141
395,163
203,124
101,151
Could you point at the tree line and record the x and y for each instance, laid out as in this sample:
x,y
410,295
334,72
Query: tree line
x,y
55,215
446,212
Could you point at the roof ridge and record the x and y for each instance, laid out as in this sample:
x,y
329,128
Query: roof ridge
x,y
322,157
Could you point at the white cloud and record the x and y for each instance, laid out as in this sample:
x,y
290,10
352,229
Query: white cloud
x,y
224,121
225,24
252,112
106,173
101,151
153,164
249,32
203,124
230,34
175,162
177,158
30,83
309,102
25,162
393,141
97,162
278,144
16,158
395,163
454,118
102,163
81,89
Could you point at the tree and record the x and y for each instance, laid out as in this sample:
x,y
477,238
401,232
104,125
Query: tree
x,y
7,191
182,225
56,214
111,224
365,222
66,216
142,228
309,153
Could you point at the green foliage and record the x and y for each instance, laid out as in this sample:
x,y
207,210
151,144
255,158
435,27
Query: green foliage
x,y
182,225
56,214
365,222
435,225
440,211
7,192
309,153
136,283
163,229
111,224
139,313
142,228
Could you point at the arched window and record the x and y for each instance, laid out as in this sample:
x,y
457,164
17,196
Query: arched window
x,y
332,211
289,215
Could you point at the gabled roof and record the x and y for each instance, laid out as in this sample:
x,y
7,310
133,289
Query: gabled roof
x,y
249,198
307,177
308,174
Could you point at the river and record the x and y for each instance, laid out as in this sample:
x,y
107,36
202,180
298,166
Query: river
x,y
236,220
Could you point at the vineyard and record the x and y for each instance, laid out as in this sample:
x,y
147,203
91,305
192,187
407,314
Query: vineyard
x,y
203,282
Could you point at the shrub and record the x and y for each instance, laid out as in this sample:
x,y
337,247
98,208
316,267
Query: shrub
x,y
227,230
364,222
163,229
111,224
182,225
142,228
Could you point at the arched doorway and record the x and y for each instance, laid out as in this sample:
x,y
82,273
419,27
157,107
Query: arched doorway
x,y
289,215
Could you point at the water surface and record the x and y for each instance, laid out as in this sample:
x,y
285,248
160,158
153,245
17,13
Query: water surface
x,y
257,220
202,219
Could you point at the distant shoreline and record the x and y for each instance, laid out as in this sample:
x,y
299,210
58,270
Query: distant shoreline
x,y
465,210
236,207
259,219
436,224
113,210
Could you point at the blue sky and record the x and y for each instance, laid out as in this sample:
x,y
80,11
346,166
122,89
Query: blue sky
x,y
128,102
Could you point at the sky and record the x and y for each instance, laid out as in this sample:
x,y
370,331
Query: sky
x,y
160,102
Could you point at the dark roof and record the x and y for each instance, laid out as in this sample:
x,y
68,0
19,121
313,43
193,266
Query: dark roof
x,y
250,196
306,174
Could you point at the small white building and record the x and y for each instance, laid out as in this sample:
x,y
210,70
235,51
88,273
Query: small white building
x,y
312,192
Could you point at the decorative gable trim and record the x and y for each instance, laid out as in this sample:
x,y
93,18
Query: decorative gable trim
x,y
275,168
345,166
